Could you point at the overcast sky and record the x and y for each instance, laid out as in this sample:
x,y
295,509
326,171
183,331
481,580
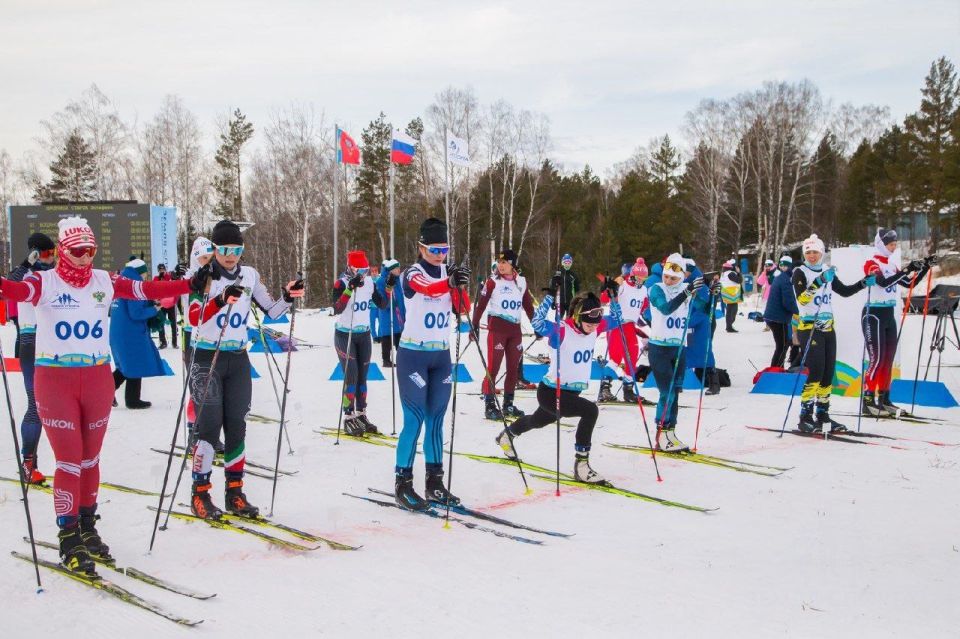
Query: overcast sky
x,y
609,74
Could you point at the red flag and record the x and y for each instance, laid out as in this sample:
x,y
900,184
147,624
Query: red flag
x,y
347,150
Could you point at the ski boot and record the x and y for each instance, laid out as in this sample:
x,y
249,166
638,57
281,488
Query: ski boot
x,y
368,426
629,394
869,407
670,442
582,471
823,418
883,401
406,497
491,411
74,555
434,489
505,444
510,411
89,535
605,396
219,448
807,423
200,503
713,381
30,473
353,426
236,502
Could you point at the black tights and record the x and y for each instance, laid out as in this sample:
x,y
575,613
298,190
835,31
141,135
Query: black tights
x,y
571,405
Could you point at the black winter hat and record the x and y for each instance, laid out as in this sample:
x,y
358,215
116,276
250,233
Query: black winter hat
x,y
432,231
887,235
509,256
226,232
40,242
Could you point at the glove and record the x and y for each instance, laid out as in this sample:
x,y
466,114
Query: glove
x,y
694,285
179,271
869,280
829,274
198,283
459,276
555,283
391,280
293,290
377,340
355,282
610,285
915,266
715,288
32,259
229,295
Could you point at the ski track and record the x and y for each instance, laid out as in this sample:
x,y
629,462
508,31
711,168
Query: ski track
x,y
854,541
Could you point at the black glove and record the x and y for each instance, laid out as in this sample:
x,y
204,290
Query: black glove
x,y
391,280
198,283
179,271
915,266
555,282
610,286
715,288
459,276
294,286
355,282
694,285
229,295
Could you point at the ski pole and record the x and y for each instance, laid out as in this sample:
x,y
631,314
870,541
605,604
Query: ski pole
x,y
203,402
631,370
176,429
283,406
393,371
273,381
453,417
923,324
558,319
706,360
803,360
863,354
486,372
522,355
676,366
346,365
20,470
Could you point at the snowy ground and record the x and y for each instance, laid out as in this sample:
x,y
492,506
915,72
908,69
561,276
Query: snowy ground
x,y
854,541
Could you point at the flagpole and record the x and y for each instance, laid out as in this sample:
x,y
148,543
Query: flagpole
x,y
393,251
336,168
446,187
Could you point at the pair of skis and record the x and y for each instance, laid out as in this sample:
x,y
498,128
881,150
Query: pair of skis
x,y
708,460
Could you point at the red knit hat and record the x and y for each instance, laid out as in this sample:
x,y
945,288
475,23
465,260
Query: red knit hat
x,y
357,259
640,268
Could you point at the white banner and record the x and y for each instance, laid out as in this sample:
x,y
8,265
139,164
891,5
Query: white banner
x,y
457,150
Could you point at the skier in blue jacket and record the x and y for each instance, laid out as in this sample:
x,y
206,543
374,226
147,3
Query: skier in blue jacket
x,y
390,318
133,350
779,312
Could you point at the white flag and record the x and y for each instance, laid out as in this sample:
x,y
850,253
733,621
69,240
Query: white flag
x,y
457,151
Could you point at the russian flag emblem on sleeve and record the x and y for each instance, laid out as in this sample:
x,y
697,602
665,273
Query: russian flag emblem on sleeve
x,y
402,148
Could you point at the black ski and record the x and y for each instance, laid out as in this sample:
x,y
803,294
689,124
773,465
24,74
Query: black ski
x,y
436,515
469,512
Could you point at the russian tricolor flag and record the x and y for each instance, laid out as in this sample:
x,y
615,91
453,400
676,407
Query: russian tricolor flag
x,y
402,148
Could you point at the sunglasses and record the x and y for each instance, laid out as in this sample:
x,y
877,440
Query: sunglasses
x,y
82,251
230,250
435,250
676,268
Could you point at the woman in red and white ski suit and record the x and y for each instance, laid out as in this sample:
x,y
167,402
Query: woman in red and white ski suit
x,y
73,383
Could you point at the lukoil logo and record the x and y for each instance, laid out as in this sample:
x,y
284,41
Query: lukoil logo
x,y
62,424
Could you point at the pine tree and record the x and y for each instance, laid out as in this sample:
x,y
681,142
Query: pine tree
x,y
227,184
74,174
929,131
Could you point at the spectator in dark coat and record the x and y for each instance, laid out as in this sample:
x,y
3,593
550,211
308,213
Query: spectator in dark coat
x,y
779,312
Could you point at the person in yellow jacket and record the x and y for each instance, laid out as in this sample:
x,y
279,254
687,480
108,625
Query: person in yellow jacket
x,y
731,291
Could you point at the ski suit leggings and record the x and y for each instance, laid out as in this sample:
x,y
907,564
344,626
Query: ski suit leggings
x,y
500,344
425,383
880,333
730,313
571,405
30,425
820,363
615,346
355,365
74,406
663,361
782,343
222,398
387,342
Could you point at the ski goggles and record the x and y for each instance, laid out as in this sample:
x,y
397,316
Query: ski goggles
x,y
435,250
47,254
670,266
82,251
230,250
593,316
